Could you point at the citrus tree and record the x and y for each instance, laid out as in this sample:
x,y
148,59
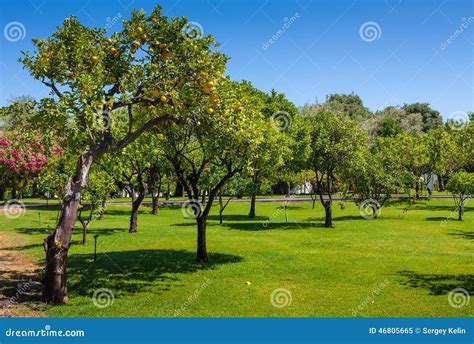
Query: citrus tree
x,y
461,185
152,69
225,140
336,144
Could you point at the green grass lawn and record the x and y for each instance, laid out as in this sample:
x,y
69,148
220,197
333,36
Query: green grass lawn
x,y
402,264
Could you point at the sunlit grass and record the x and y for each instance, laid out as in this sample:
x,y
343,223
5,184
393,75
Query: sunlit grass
x,y
401,264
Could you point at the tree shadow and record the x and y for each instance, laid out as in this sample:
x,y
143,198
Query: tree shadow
x,y
129,272
91,231
463,234
437,284
437,218
22,248
268,225
19,288
236,217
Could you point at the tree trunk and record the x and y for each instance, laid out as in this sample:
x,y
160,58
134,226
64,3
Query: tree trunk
x,y
252,206
154,203
102,209
168,190
201,239
417,190
134,215
460,210
84,234
56,245
221,209
203,197
440,183
314,201
328,213
2,192
178,191
288,191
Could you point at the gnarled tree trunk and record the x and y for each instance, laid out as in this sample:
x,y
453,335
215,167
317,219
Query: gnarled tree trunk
x,y
56,245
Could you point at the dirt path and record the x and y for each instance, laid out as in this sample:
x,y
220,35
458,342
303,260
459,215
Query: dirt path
x,y
19,280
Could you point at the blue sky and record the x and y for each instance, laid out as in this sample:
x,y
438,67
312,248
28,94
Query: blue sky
x,y
324,48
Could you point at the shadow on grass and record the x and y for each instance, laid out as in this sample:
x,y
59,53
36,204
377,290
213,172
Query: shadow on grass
x,y
91,231
262,226
437,284
237,217
19,288
463,234
436,218
129,272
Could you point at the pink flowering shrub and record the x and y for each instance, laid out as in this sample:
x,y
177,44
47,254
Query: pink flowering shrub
x,y
21,159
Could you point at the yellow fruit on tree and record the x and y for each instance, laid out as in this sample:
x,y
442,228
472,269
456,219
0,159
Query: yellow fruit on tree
x,y
113,51
210,111
163,99
136,44
94,59
155,93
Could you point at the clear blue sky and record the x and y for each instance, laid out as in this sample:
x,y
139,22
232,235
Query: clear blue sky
x,y
320,52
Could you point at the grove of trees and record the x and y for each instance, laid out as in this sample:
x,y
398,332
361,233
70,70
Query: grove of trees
x,y
148,110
